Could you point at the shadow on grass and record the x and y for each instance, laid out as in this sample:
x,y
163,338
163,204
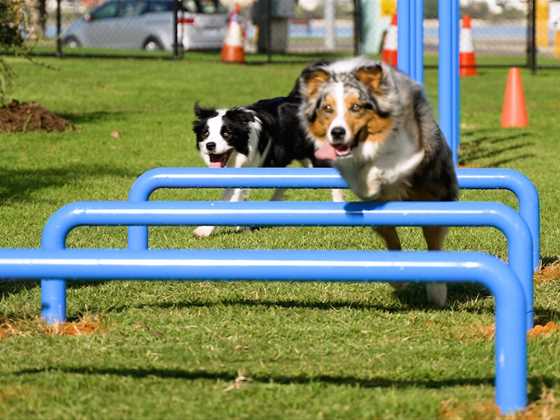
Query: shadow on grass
x,y
91,117
536,384
20,184
493,147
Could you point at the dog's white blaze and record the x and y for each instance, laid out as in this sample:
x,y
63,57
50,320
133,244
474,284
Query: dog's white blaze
x,y
339,120
214,133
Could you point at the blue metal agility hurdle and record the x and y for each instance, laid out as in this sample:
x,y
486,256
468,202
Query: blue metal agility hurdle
x,y
469,178
338,266
284,214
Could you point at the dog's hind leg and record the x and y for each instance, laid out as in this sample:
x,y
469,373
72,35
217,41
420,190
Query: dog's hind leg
x,y
392,242
230,194
390,236
435,236
278,194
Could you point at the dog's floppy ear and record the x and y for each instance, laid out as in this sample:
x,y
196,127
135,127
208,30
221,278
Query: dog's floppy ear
x,y
371,76
312,79
204,113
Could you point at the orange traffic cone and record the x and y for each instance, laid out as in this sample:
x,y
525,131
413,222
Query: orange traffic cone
x,y
233,50
467,60
389,54
514,112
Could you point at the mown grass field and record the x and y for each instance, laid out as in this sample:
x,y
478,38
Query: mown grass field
x,y
249,350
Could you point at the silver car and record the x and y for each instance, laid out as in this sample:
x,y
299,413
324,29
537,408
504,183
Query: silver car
x,y
148,24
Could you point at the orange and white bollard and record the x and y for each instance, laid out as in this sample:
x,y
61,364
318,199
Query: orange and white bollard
x,y
467,59
389,54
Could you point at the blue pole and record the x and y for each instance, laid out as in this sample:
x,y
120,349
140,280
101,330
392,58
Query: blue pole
x,y
405,31
449,104
469,178
300,214
301,265
418,41
411,38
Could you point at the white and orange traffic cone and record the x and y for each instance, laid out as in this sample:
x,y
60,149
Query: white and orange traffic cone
x,y
233,50
389,54
467,59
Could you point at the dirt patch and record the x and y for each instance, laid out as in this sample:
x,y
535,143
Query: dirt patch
x,y
86,325
546,407
30,116
548,273
487,332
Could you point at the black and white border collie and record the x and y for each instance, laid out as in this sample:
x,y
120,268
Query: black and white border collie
x,y
265,134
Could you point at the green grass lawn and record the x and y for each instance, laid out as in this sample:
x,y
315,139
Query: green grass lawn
x,y
249,350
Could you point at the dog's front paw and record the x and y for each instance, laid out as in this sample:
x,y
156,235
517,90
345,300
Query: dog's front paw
x,y
437,293
203,231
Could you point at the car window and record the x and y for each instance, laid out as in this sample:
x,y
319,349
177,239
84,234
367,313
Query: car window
x,y
203,6
132,8
156,6
108,10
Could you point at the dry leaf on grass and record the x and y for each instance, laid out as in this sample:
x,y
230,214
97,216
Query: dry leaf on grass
x,y
115,134
543,330
240,381
85,326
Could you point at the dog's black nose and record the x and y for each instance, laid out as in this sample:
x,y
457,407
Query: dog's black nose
x,y
338,133
211,146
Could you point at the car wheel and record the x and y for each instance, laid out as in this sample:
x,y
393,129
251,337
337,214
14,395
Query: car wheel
x,y
152,44
71,42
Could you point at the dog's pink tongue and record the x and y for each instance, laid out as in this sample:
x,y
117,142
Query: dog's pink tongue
x,y
217,164
325,152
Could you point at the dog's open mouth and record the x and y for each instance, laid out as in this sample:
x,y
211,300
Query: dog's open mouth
x,y
342,150
219,161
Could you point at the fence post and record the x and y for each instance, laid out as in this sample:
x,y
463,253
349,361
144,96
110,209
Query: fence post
x,y
175,29
58,28
532,36
358,34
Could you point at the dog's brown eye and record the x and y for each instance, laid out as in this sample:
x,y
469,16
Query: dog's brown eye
x,y
226,134
355,108
205,134
328,109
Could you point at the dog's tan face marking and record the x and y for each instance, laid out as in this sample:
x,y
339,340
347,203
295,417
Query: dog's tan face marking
x,y
379,128
325,114
358,115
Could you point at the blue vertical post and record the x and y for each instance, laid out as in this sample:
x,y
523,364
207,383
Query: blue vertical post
x,y
418,41
411,38
53,291
449,106
404,36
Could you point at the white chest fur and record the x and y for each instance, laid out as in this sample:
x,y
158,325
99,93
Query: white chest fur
x,y
377,170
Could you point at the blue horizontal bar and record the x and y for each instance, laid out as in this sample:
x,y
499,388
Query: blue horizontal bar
x,y
469,178
317,213
339,266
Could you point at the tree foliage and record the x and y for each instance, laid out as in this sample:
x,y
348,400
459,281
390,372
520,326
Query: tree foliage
x,y
12,25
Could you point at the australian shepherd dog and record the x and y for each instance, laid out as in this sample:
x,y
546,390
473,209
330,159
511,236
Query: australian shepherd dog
x,y
264,134
384,139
